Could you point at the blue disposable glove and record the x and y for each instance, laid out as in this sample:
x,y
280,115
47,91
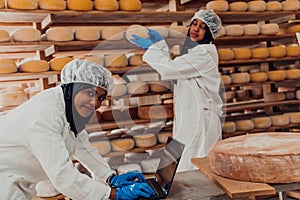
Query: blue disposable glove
x,y
144,43
127,179
154,35
133,191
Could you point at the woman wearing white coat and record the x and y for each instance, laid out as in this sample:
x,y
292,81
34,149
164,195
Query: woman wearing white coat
x,y
197,103
39,139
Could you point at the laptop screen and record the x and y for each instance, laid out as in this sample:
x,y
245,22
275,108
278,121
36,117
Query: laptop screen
x,y
169,162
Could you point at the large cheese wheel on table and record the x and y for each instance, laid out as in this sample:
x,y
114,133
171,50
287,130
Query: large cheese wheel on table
x,y
262,157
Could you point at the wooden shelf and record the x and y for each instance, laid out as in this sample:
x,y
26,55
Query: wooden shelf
x,y
260,84
28,76
253,61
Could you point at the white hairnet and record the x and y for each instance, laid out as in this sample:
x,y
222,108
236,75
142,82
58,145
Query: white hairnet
x,y
83,71
211,19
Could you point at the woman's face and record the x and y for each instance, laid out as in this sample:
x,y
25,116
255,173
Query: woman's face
x,y
88,100
197,30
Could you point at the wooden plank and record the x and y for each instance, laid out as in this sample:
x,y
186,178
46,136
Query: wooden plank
x,y
252,61
28,76
294,194
233,188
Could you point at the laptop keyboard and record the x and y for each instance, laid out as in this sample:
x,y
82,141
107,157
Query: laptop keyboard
x,y
155,186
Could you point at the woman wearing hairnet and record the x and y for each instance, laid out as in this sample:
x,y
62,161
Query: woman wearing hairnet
x,y
40,137
197,102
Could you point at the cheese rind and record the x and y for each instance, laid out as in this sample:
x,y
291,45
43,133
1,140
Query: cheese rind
x,y
280,120
122,144
80,5
34,66
8,66
106,5
26,35
257,6
262,122
217,5
238,6
103,146
145,140
130,5
56,64
87,33
60,34
269,29
4,36
52,4
22,4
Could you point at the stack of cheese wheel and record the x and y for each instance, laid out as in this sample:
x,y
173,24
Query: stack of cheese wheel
x,y
159,86
87,33
269,29
262,122
270,157
8,66
136,88
136,60
112,33
107,5
155,112
115,60
277,75
225,54
290,5
257,6
238,6
244,125
130,5
4,36
258,77
277,51
274,6
234,30
122,169
293,74
280,120
226,79
239,78
52,4
136,29
93,58
34,66
22,4
293,50
294,117
251,29
260,53
177,31
221,6
122,144
145,140
229,127
294,29
26,35
57,63
274,96
60,34
80,5
103,146
242,53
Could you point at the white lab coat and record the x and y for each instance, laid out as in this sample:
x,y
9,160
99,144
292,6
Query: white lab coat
x,y
197,103
36,144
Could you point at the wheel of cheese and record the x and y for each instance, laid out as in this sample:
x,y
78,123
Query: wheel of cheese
x,y
112,33
270,157
159,86
87,33
119,90
269,29
260,53
122,144
258,77
145,140
277,75
150,165
96,59
280,120
56,64
162,30
223,31
8,66
128,167
60,34
137,88
293,51
4,36
262,122
162,137
178,31
112,114
34,66
238,6
52,4
228,127
26,35
293,29
251,29
273,97
277,51
244,125
229,96
226,80
115,60
136,60
242,53
293,74
22,4
107,5
297,94
12,98
234,30
274,6
130,5
221,6
2,4
136,29
257,6
290,5
243,77
225,54
80,5
103,146
155,112
294,117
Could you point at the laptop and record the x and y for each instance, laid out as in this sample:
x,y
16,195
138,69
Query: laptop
x,y
162,181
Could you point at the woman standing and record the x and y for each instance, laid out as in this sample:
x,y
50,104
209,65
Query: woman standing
x,y
197,102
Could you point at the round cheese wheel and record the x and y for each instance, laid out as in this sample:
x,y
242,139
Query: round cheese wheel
x,y
162,30
293,29
243,77
60,34
159,86
262,122
277,51
238,6
12,98
260,53
114,60
244,125
242,53
112,33
136,29
217,5
80,5
128,167
56,64
130,5
145,140
269,29
22,4
96,59
225,54
34,66
229,96
234,30
251,29
137,88
257,6
103,146
107,5
87,33
8,66
277,75
2,4
226,80
119,90
228,127
298,94
273,97
293,50
26,35
223,31
294,117
274,6
290,5
280,120
258,77
155,112
293,74
122,144
4,36
52,4
162,137
136,60
270,157
178,31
